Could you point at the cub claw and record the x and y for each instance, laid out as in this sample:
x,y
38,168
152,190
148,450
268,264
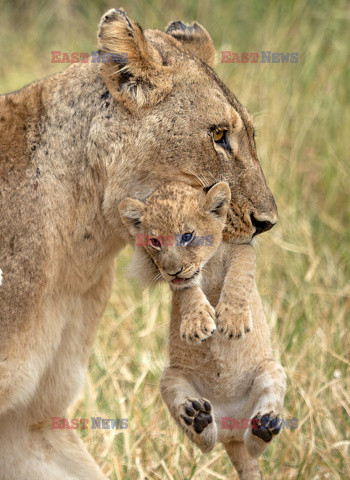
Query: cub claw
x,y
231,321
198,324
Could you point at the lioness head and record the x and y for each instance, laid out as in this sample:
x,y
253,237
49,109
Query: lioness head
x,y
179,121
180,228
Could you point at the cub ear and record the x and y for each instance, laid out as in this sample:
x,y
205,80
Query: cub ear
x,y
217,199
131,212
129,64
195,38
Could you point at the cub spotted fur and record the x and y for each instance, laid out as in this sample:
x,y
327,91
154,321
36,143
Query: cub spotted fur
x,y
196,218
209,384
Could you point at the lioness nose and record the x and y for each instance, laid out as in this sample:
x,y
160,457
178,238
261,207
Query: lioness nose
x,y
261,226
176,273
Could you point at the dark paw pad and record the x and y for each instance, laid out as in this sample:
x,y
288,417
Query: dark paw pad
x,y
265,426
201,421
196,413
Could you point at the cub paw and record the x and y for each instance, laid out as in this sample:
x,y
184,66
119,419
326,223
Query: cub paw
x,y
233,321
198,324
196,415
266,425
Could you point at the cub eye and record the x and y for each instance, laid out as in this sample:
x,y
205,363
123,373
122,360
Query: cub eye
x,y
186,238
218,135
155,243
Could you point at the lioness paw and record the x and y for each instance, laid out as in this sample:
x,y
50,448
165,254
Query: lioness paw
x,y
233,321
198,324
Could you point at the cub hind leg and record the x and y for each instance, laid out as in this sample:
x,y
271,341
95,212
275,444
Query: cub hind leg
x,y
191,411
247,467
267,394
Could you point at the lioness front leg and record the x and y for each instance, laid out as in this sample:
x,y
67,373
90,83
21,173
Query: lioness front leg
x,y
197,315
233,314
191,411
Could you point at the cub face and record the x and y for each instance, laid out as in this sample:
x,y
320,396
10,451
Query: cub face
x,y
179,228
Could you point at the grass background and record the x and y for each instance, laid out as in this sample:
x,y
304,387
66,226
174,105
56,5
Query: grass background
x,y
302,116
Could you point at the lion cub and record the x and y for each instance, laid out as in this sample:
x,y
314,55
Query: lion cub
x,y
180,229
220,390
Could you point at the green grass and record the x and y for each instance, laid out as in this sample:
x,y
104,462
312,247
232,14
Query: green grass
x,y
302,116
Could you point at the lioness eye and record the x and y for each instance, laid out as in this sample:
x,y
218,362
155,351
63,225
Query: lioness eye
x,y
154,242
186,238
218,134
220,137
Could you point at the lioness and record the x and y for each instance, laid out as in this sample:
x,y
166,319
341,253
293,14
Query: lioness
x,y
218,381
72,146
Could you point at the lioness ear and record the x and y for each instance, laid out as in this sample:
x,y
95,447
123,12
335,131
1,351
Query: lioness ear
x,y
217,199
195,38
129,63
131,211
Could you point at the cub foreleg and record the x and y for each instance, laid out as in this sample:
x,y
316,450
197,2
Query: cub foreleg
x,y
191,411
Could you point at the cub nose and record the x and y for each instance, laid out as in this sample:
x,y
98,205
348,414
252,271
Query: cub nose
x,y
261,226
176,273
